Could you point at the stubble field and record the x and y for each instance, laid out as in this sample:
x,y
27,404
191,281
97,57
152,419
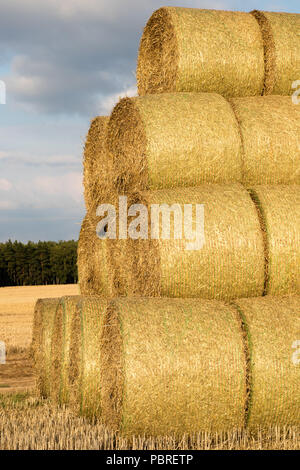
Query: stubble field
x,y
27,422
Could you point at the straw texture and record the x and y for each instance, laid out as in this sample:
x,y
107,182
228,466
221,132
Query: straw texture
x,y
173,140
96,165
281,37
187,374
280,211
273,327
93,260
60,350
186,49
85,356
229,265
43,321
270,130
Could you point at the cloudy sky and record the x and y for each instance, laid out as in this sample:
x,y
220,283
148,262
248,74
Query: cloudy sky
x,y
64,62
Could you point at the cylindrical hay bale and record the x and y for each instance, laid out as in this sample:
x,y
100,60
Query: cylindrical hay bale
x,y
230,264
281,38
273,326
280,214
60,350
96,164
43,321
85,356
187,374
187,49
94,272
174,139
270,130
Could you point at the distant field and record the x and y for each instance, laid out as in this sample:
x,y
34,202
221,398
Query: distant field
x,y
16,310
16,318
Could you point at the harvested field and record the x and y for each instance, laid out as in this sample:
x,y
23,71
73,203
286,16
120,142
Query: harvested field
x,y
16,321
30,423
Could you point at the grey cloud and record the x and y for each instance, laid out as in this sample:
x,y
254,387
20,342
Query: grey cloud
x,y
70,55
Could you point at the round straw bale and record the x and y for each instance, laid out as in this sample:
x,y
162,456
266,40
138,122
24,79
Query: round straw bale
x,y
175,366
280,211
85,357
94,272
43,321
96,165
231,262
281,38
60,350
273,326
174,139
187,49
270,129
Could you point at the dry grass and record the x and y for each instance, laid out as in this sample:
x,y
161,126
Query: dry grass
x,y
30,423
17,308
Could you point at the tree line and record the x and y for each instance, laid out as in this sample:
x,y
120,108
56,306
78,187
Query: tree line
x,y
39,263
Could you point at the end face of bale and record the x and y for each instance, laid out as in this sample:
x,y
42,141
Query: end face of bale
x,y
85,356
274,327
181,51
174,140
96,164
280,208
60,350
43,321
186,375
270,130
280,32
93,260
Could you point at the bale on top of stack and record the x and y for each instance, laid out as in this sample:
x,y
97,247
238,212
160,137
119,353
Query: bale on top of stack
x,y
281,36
227,52
182,49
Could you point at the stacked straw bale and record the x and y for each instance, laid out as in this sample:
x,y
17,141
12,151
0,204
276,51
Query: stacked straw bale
x,y
281,38
270,131
273,327
178,364
60,349
279,207
43,322
187,139
172,366
174,139
187,49
85,356
229,265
